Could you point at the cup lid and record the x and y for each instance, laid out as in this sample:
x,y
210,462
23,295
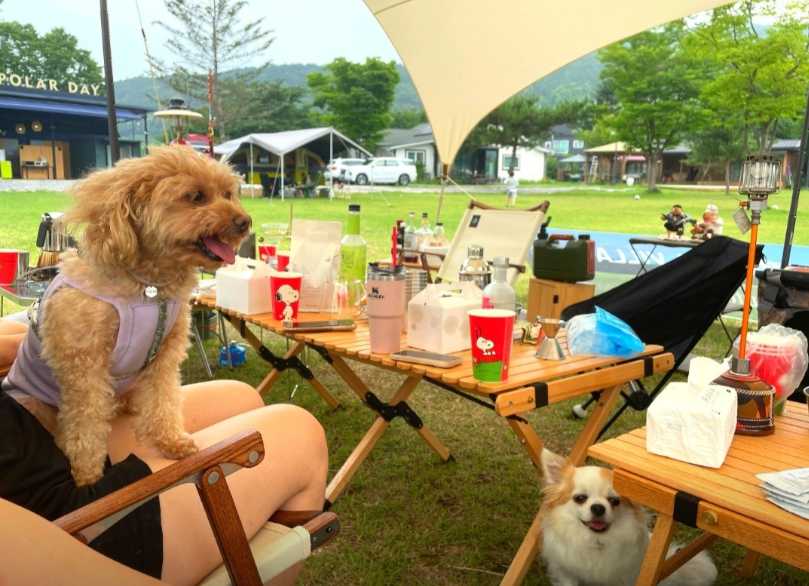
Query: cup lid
x,y
492,313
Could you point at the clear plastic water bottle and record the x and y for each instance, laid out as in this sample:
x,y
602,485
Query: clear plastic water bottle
x,y
410,238
499,294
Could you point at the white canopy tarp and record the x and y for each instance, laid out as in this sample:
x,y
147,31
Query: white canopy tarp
x,y
466,57
281,143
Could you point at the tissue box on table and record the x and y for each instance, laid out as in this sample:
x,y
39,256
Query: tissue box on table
x,y
437,319
692,423
244,286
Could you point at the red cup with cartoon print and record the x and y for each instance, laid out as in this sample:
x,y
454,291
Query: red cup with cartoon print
x,y
491,331
285,289
282,260
266,252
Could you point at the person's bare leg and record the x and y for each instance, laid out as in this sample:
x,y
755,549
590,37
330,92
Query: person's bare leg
x,y
291,477
36,551
8,326
204,404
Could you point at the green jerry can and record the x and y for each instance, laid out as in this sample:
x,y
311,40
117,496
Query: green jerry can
x,y
562,257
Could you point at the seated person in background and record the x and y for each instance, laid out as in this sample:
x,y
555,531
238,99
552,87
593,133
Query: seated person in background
x,y
168,538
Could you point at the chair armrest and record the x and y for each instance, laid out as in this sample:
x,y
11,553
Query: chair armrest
x,y
245,449
322,529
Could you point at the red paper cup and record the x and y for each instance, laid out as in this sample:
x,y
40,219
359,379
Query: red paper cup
x,y
285,289
266,252
491,331
282,258
8,265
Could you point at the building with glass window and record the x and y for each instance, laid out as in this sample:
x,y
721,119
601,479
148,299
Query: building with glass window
x,y
485,164
50,134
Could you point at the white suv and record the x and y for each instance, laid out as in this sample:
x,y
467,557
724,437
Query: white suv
x,y
338,167
382,170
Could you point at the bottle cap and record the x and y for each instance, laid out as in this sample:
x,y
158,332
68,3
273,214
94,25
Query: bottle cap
x,y
353,207
423,214
584,237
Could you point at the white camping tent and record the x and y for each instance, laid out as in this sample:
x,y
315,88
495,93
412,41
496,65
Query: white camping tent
x,y
281,143
466,57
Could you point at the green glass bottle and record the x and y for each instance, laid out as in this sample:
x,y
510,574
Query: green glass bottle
x,y
353,248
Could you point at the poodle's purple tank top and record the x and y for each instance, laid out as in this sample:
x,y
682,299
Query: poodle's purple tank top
x,y
143,324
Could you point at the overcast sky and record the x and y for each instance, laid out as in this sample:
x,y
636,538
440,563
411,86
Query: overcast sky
x,y
305,31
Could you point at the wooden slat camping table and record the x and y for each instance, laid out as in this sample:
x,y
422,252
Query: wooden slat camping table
x,y
725,502
532,384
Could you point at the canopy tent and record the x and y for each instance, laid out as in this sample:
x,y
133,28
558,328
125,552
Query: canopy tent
x,y
322,141
466,57
573,159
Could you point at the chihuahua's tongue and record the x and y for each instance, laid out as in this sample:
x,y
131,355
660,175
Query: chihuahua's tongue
x,y
220,249
596,525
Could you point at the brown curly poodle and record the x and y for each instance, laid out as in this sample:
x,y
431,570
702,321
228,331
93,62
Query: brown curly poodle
x,y
150,221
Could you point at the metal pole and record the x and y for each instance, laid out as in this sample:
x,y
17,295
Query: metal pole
x,y
250,179
797,181
331,158
112,120
282,176
145,133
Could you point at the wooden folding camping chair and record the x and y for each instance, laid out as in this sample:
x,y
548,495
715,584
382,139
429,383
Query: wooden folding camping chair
x,y
426,260
273,550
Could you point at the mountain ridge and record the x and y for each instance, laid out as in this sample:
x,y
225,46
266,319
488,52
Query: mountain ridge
x,y
574,81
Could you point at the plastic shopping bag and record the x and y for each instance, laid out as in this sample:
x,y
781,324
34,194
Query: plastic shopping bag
x,y
603,334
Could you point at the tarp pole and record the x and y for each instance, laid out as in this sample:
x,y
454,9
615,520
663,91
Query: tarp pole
x,y
797,181
331,158
282,177
444,176
250,179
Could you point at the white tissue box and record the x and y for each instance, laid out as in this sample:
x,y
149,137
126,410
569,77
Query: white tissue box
x,y
244,286
692,423
437,317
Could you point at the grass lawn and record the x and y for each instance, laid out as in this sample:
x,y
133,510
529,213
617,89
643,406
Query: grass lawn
x,y
408,518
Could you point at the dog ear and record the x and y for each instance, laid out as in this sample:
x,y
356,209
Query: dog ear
x,y
552,467
104,204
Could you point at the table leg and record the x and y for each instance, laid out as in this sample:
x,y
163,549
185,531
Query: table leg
x,y
656,553
526,555
529,440
288,360
595,422
386,411
750,564
350,467
201,349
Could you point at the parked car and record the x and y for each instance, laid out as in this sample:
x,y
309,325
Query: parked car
x,y
382,170
338,167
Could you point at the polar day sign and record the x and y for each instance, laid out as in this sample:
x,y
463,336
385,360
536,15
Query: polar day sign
x,y
11,79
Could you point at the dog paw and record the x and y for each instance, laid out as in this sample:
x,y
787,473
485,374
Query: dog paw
x,y
85,476
179,447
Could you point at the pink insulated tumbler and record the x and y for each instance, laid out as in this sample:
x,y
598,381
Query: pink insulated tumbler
x,y
386,307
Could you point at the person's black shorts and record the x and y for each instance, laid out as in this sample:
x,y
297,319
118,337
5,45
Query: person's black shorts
x,y
35,474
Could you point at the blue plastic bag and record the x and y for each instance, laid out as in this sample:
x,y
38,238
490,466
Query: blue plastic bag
x,y
603,334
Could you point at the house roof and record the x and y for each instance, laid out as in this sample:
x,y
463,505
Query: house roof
x,y
786,144
613,147
398,137
679,149
281,143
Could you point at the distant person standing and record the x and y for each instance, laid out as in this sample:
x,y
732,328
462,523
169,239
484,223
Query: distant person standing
x,y
511,189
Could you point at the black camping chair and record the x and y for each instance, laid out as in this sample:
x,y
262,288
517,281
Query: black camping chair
x,y
673,305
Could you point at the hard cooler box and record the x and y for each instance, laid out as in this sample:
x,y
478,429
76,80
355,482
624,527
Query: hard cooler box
x,y
244,286
437,319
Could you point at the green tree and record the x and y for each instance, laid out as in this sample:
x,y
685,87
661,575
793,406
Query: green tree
x,y
210,36
655,86
54,55
522,122
356,98
757,80
265,107
407,118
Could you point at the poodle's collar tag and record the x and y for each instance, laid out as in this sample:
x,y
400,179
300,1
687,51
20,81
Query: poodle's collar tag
x,y
150,291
